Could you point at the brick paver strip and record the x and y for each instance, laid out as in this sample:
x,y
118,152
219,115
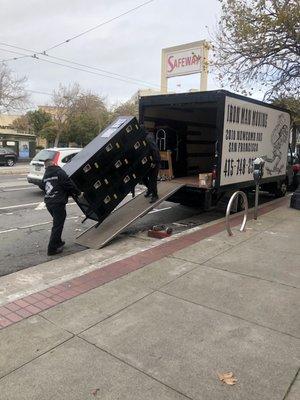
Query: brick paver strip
x,y
13,312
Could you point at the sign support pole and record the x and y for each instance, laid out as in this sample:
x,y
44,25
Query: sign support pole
x,y
204,69
163,78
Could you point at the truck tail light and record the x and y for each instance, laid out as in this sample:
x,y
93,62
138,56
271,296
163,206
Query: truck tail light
x,y
296,168
214,173
55,159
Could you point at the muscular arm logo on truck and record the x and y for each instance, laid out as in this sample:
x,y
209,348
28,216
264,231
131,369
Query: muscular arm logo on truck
x,y
279,138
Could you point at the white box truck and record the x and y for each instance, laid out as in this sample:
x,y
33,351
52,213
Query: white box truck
x,y
219,134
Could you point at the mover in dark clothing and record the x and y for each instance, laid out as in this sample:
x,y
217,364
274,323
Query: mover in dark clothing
x,y
150,181
58,187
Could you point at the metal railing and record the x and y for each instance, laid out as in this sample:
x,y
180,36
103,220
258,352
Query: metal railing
x,y
232,198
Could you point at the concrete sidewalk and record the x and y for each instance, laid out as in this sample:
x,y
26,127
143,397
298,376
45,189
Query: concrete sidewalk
x,y
164,322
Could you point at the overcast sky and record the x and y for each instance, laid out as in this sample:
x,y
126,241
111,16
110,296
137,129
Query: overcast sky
x,y
130,46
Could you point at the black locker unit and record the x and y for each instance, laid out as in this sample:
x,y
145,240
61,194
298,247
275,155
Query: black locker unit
x,y
109,167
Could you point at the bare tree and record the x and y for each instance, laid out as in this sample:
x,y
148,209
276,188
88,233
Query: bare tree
x,y
258,42
63,102
129,107
13,95
93,105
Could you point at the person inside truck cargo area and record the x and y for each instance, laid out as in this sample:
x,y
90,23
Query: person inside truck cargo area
x,y
57,187
150,180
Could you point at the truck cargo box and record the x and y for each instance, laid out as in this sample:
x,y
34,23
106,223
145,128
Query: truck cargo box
x,y
219,133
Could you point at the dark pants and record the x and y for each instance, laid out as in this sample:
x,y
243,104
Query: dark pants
x,y
150,181
58,213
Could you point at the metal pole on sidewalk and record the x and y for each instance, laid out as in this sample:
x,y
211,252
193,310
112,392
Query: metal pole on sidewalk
x,y
256,201
258,173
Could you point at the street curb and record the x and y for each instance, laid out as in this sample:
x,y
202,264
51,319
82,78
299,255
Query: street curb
x,y
13,312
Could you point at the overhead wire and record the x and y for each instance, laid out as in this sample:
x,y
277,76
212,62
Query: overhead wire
x,y
34,56
99,25
43,53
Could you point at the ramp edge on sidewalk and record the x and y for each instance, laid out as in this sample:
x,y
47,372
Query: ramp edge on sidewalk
x,y
33,304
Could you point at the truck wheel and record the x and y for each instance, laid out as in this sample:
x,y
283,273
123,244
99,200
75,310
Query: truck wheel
x,y
10,162
281,190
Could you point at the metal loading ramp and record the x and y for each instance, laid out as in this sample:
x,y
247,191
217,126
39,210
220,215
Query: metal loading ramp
x,y
98,236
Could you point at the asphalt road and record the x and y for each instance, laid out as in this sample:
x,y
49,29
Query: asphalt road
x,y
25,224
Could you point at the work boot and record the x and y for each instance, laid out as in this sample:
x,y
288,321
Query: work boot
x,y
147,194
55,251
153,199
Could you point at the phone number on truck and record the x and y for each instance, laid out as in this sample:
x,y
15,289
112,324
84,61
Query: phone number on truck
x,y
241,166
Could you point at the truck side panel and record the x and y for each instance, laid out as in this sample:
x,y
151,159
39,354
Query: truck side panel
x,y
252,130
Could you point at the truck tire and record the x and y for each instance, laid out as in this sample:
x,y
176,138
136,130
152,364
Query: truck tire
x,y
280,191
10,162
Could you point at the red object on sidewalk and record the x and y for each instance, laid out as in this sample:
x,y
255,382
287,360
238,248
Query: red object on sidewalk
x,y
160,233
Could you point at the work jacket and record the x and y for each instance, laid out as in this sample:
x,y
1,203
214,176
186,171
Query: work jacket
x,y
154,150
57,186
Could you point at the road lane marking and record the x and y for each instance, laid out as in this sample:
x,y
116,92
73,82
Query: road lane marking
x,y
33,225
156,210
13,183
18,206
9,230
28,204
41,206
16,189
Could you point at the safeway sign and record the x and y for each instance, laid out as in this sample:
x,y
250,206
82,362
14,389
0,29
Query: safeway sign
x,y
184,62
186,59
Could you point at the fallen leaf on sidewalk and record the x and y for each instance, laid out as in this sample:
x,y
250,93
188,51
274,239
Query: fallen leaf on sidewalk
x,y
228,378
95,391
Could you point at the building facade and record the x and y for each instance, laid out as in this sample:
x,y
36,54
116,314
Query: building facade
x,y
22,143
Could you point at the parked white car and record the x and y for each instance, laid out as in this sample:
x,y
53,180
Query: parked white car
x,y
60,157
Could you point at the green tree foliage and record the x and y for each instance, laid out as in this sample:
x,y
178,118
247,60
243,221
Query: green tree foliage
x,y
76,116
63,102
50,131
92,105
21,124
83,128
257,44
292,104
87,117
37,120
